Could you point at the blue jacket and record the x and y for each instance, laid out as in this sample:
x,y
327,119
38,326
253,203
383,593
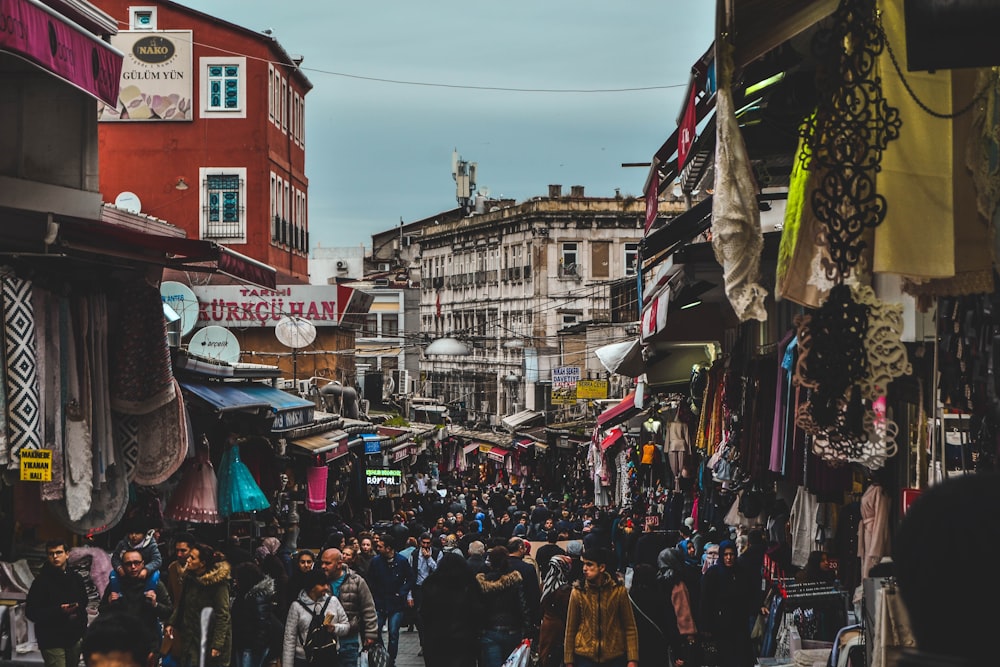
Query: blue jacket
x,y
390,583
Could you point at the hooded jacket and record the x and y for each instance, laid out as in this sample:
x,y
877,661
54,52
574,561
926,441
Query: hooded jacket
x,y
133,602
148,547
252,615
300,615
599,622
506,604
208,589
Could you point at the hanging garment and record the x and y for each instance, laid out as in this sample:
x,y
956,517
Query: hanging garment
x,y
20,369
196,497
141,371
238,490
803,520
51,389
96,348
873,531
736,235
316,477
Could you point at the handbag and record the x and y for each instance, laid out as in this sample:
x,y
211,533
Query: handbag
x,y
378,655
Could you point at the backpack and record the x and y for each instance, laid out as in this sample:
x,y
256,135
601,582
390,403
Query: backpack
x,y
320,645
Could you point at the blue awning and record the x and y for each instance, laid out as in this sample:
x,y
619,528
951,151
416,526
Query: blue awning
x,y
289,410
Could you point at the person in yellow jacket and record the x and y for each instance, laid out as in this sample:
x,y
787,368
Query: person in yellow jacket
x,y
600,627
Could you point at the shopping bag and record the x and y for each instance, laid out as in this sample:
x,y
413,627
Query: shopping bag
x,y
519,657
378,656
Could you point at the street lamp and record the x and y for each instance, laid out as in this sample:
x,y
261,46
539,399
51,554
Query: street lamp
x,y
447,346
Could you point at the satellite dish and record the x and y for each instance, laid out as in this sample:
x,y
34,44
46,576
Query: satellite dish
x,y
184,302
294,332
128,201
214,342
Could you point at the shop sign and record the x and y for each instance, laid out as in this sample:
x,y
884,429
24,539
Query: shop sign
x,y
340,450
246,306
564,383
157,77
593,389
373,443
386,476
287,419
36,465
402,453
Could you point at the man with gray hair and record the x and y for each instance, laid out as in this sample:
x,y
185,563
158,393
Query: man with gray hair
x,y
477,557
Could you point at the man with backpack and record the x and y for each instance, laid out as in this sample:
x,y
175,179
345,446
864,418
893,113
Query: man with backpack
x,y
356,598
314,622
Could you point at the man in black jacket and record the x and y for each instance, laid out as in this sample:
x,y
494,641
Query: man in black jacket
x,y
137,597
529,578
57,605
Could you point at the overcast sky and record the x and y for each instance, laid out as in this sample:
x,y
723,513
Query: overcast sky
x,y
378,151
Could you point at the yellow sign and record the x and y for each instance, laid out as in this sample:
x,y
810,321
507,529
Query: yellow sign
x,y
565,395
592,389
36,465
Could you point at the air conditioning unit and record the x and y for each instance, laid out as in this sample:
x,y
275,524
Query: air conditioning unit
x,y
341,265
304,387
385,266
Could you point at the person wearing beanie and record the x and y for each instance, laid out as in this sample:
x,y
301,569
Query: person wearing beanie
x,y
725,606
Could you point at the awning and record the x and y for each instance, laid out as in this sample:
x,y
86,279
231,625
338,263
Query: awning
x,y
474,447
288,411
619,413
332,444
46,38
400,452
184,254
524,443
680,230
611,438
622,358
498,453
522,418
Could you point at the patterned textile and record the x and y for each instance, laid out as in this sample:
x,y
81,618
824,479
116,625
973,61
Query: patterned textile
x,y
127,437
23,415
48,325
238,490
163,441
141,371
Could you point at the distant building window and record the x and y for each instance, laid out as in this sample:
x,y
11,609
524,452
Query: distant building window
x,y
142,18
390,326
569,260
631,258
224,204
223,87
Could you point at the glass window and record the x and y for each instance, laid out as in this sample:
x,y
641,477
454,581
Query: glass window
x,y
224,87
224,206
390,325
631,258
569,261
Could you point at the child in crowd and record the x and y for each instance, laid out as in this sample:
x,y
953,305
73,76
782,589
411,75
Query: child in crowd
x,y
137,538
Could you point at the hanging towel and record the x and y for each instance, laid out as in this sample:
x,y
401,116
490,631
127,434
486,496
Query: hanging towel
x,y
737,239
21,368
141,371
316,477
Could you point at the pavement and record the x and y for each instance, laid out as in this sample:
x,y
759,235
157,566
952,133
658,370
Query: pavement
x,y
409,646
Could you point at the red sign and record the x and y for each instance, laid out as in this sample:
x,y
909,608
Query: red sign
x,y
686,132
652,199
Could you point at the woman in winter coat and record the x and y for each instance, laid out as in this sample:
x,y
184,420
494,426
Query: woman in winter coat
x,y
269,560
451,613
506,620
205,584
254,634
311,601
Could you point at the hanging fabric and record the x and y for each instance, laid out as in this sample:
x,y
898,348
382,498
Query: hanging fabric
x,y
316,477
196,497
141,371
20,369
238,490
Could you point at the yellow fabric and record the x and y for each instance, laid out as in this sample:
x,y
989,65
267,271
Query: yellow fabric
x,y
917,237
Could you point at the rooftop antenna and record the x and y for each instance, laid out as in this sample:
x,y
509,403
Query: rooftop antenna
x,y
464,173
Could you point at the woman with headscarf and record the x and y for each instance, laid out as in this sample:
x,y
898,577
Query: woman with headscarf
x,y
267,559
689,569
451,612
556,589
679,626
725,606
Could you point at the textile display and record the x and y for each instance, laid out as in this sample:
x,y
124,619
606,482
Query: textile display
x,y
196,498
163,441
238,490
141,370
50,373
127,435
737,239
21,369
96,349
316,477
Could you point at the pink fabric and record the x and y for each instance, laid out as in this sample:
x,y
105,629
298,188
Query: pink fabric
x,y
316,488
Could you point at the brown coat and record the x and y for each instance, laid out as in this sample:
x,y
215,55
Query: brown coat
x,y
599,623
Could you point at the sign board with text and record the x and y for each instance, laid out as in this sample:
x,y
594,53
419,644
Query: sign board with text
x,y
592,389
564,381
36,465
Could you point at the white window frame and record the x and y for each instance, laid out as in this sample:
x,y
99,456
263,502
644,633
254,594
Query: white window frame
x,y
284,104
209,112
631,252
133,18
203,175
565,252
270,92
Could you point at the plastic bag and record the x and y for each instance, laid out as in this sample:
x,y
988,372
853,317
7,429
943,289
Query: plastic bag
x,y
378,656
519,657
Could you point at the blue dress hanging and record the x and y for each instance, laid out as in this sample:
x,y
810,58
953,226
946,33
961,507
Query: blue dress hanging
x,y
238,490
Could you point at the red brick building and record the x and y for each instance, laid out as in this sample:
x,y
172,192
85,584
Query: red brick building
x,y
209,132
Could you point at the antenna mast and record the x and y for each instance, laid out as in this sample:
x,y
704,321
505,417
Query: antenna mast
x,y
464,173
